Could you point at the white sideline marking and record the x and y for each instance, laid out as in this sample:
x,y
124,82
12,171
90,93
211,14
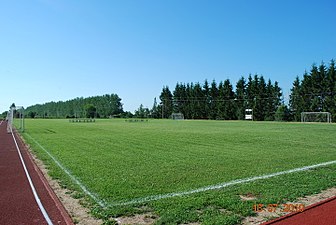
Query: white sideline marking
x,y
86,191
37,199
219,186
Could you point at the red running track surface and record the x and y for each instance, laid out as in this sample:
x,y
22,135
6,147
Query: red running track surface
x,y
17,203
322,213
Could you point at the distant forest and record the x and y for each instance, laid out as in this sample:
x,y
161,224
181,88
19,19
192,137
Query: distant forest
x,y
105,106
316,92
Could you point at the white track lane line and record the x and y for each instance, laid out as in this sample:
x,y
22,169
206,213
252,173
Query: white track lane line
x,y
37,199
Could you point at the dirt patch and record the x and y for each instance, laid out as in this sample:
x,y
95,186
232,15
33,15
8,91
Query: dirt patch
x,y
248,197
79,214
306,201
318,197
144,219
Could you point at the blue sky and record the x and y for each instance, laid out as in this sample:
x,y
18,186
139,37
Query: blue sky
x,y
53,50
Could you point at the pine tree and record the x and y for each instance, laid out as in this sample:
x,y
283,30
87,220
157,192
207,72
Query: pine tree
x,y
220,103
240,99
206,100
198,97
213,100
177,98
307,92
316,87
226,96
250,92
189,102
330,100
155,110
166,98
323,86
270,101
296,101
259,110
231,106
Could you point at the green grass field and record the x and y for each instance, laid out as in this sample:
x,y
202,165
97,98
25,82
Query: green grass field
x,y
121,161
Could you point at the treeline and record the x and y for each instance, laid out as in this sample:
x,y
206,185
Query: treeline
x,y
105,106
316,92
222,100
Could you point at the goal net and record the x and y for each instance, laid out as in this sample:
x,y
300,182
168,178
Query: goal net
x,y
177,116
322,117
20,118
16,117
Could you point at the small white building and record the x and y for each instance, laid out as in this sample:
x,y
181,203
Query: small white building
x,y
248,114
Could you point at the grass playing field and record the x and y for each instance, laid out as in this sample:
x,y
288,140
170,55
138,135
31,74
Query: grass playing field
x,y
122,162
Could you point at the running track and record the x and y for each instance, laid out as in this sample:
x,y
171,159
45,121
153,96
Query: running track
x,y
18,205
322,213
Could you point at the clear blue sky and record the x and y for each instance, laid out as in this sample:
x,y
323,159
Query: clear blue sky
x,y
53,50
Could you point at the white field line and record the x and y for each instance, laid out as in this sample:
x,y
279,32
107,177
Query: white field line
x,y
32,187
183,193
220,186
73,178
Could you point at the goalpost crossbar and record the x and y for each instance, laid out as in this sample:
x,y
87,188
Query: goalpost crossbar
x,y
316,117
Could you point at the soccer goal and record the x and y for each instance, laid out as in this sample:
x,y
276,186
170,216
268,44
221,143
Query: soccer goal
x,y
9,118
177,116
16,117
322,117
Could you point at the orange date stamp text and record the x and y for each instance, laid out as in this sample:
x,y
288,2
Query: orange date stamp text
x,y
279,207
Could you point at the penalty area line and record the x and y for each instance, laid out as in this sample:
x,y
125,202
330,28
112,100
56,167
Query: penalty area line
x,y
219,186
72,177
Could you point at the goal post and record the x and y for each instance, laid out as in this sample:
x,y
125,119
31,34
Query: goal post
x,y
321,117
16,117
9,119
177,116
20,117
